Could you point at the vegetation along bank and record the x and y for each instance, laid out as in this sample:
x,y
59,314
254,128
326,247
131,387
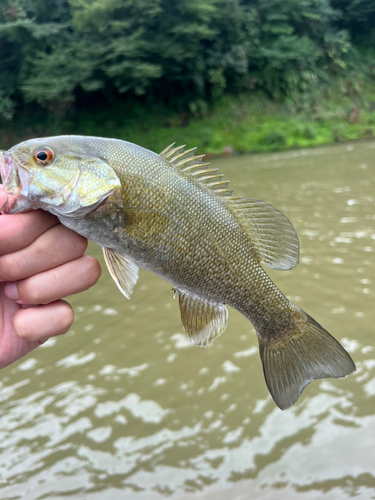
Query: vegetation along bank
x,y
224,75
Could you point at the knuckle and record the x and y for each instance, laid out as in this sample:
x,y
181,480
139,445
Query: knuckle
x,y
79,242
21,328
29,292
84,243
11,268
93,269
66,317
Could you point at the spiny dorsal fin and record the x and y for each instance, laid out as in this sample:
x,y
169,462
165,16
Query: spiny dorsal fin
x,y
271,232
190,164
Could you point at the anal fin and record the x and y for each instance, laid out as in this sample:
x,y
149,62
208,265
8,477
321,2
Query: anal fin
x,y
123,271
202,320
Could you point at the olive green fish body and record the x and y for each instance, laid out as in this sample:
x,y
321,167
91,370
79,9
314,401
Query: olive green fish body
x,y
173,215
178,229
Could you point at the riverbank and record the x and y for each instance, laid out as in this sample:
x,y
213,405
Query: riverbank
x,y
235,125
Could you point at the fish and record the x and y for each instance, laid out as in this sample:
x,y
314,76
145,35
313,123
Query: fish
x,y
175,216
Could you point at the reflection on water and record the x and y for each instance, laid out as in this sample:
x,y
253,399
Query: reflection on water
x,y
124,406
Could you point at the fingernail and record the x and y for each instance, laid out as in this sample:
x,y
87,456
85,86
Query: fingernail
x,y
11,291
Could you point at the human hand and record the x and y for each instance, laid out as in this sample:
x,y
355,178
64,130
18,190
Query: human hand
x,y
41,261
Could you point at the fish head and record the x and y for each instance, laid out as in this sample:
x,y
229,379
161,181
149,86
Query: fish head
x,y
63,175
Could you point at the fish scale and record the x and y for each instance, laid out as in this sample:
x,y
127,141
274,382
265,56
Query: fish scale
x,y
174,216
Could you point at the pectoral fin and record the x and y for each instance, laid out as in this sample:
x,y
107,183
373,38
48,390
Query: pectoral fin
x,y
202,320
123,271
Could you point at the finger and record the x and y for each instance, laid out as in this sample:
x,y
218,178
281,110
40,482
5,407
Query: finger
x,y
39,323
12,347
53,248
19,230
67,279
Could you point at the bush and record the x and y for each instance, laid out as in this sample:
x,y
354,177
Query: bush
x,y
275,138
183,54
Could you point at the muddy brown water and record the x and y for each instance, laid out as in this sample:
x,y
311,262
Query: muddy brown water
x,y
124,407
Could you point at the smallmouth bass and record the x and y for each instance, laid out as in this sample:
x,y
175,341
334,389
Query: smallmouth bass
x,y
174,216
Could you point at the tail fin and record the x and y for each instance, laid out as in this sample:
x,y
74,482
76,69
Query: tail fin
x,y
290,365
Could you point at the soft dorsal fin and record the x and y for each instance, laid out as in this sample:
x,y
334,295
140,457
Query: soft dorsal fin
x,y
189,163
271,232
202,320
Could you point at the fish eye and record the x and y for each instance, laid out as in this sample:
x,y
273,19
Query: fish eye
x,y
44,156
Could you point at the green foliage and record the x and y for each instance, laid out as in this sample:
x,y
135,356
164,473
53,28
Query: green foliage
x,y
247,123
275,138
358,16
183,54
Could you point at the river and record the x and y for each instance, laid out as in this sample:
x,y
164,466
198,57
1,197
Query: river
x,y
124,407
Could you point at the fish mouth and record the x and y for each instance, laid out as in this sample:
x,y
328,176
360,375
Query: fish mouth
x,y
15,204
6,166
16,182
26,191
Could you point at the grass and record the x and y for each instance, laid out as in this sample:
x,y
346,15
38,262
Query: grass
x,y
242,124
